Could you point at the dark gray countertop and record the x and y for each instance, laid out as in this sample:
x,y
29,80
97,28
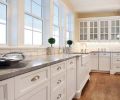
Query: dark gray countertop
x,y
33,63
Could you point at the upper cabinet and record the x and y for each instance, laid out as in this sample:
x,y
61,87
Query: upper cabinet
x,y
100,29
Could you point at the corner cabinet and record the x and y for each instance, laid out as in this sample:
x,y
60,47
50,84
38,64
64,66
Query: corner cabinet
x,y
99,29
7,89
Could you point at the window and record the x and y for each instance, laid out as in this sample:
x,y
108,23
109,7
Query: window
x,y
33,22
3,21
69,26
56,24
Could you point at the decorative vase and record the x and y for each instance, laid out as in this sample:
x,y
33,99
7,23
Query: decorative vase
x,y
50,51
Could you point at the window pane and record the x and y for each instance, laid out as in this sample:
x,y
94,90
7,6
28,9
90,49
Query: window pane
x,y
56,21
2,13
28,37
56,11
56,31
37,38
36,9
37,25
67,35
57,40
28,6
37,1
28,22
2,34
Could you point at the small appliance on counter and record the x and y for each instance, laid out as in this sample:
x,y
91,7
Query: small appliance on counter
x,y
11,58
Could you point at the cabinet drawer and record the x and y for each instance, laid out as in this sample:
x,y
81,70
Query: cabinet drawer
x,y
71,63
57,82
57,68
27,82
104,54
116,54
60,94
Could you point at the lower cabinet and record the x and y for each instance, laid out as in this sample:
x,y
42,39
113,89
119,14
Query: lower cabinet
x,y
55,82
7,89
104,61
71,78
94,61
41,92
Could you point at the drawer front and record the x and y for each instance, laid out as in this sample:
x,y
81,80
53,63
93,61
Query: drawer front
x,y
116,54
27,82
71,63
104,54
57,69
57,82
60,94
94,54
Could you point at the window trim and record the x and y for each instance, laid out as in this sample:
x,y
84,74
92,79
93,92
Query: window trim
x,y
36,17
6,24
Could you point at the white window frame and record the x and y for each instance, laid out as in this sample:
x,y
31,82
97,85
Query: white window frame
x,y
4,3
58,26
36,17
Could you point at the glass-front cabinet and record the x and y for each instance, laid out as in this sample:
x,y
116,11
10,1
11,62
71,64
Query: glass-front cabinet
x,y
100,29
83,30
104,30
93,30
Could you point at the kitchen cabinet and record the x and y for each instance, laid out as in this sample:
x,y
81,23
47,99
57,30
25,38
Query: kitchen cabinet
x,y
99,29
7,89
58,81
115,60
28,82
41,92
71,78
104,61
54,82
82,74
94,61
115,63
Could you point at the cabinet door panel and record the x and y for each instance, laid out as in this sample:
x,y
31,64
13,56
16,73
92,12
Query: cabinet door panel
x,y
7,89
104,63
42,92
94,61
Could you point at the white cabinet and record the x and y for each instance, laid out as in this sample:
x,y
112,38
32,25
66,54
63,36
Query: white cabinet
x,y
29,81
94,61
71,78
100,29
115,60
104,61
82,76
41,92
7,89
58,81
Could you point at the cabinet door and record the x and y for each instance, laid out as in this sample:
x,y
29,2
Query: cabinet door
x,y
94,61
71,80
93,30
104,61
42,92
83,30
7,89
104,30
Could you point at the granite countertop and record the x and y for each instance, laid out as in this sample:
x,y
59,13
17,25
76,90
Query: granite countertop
x,y
33,63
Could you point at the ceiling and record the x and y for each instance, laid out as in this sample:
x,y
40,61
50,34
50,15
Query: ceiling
x,y
95,5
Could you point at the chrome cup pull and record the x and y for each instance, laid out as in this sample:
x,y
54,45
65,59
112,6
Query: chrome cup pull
x,y
59,81
59,96
35,78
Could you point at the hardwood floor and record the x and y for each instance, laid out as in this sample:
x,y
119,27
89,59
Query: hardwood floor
x,y
102,87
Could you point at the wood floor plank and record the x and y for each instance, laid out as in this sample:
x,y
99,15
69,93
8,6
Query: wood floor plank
x,y
102,87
